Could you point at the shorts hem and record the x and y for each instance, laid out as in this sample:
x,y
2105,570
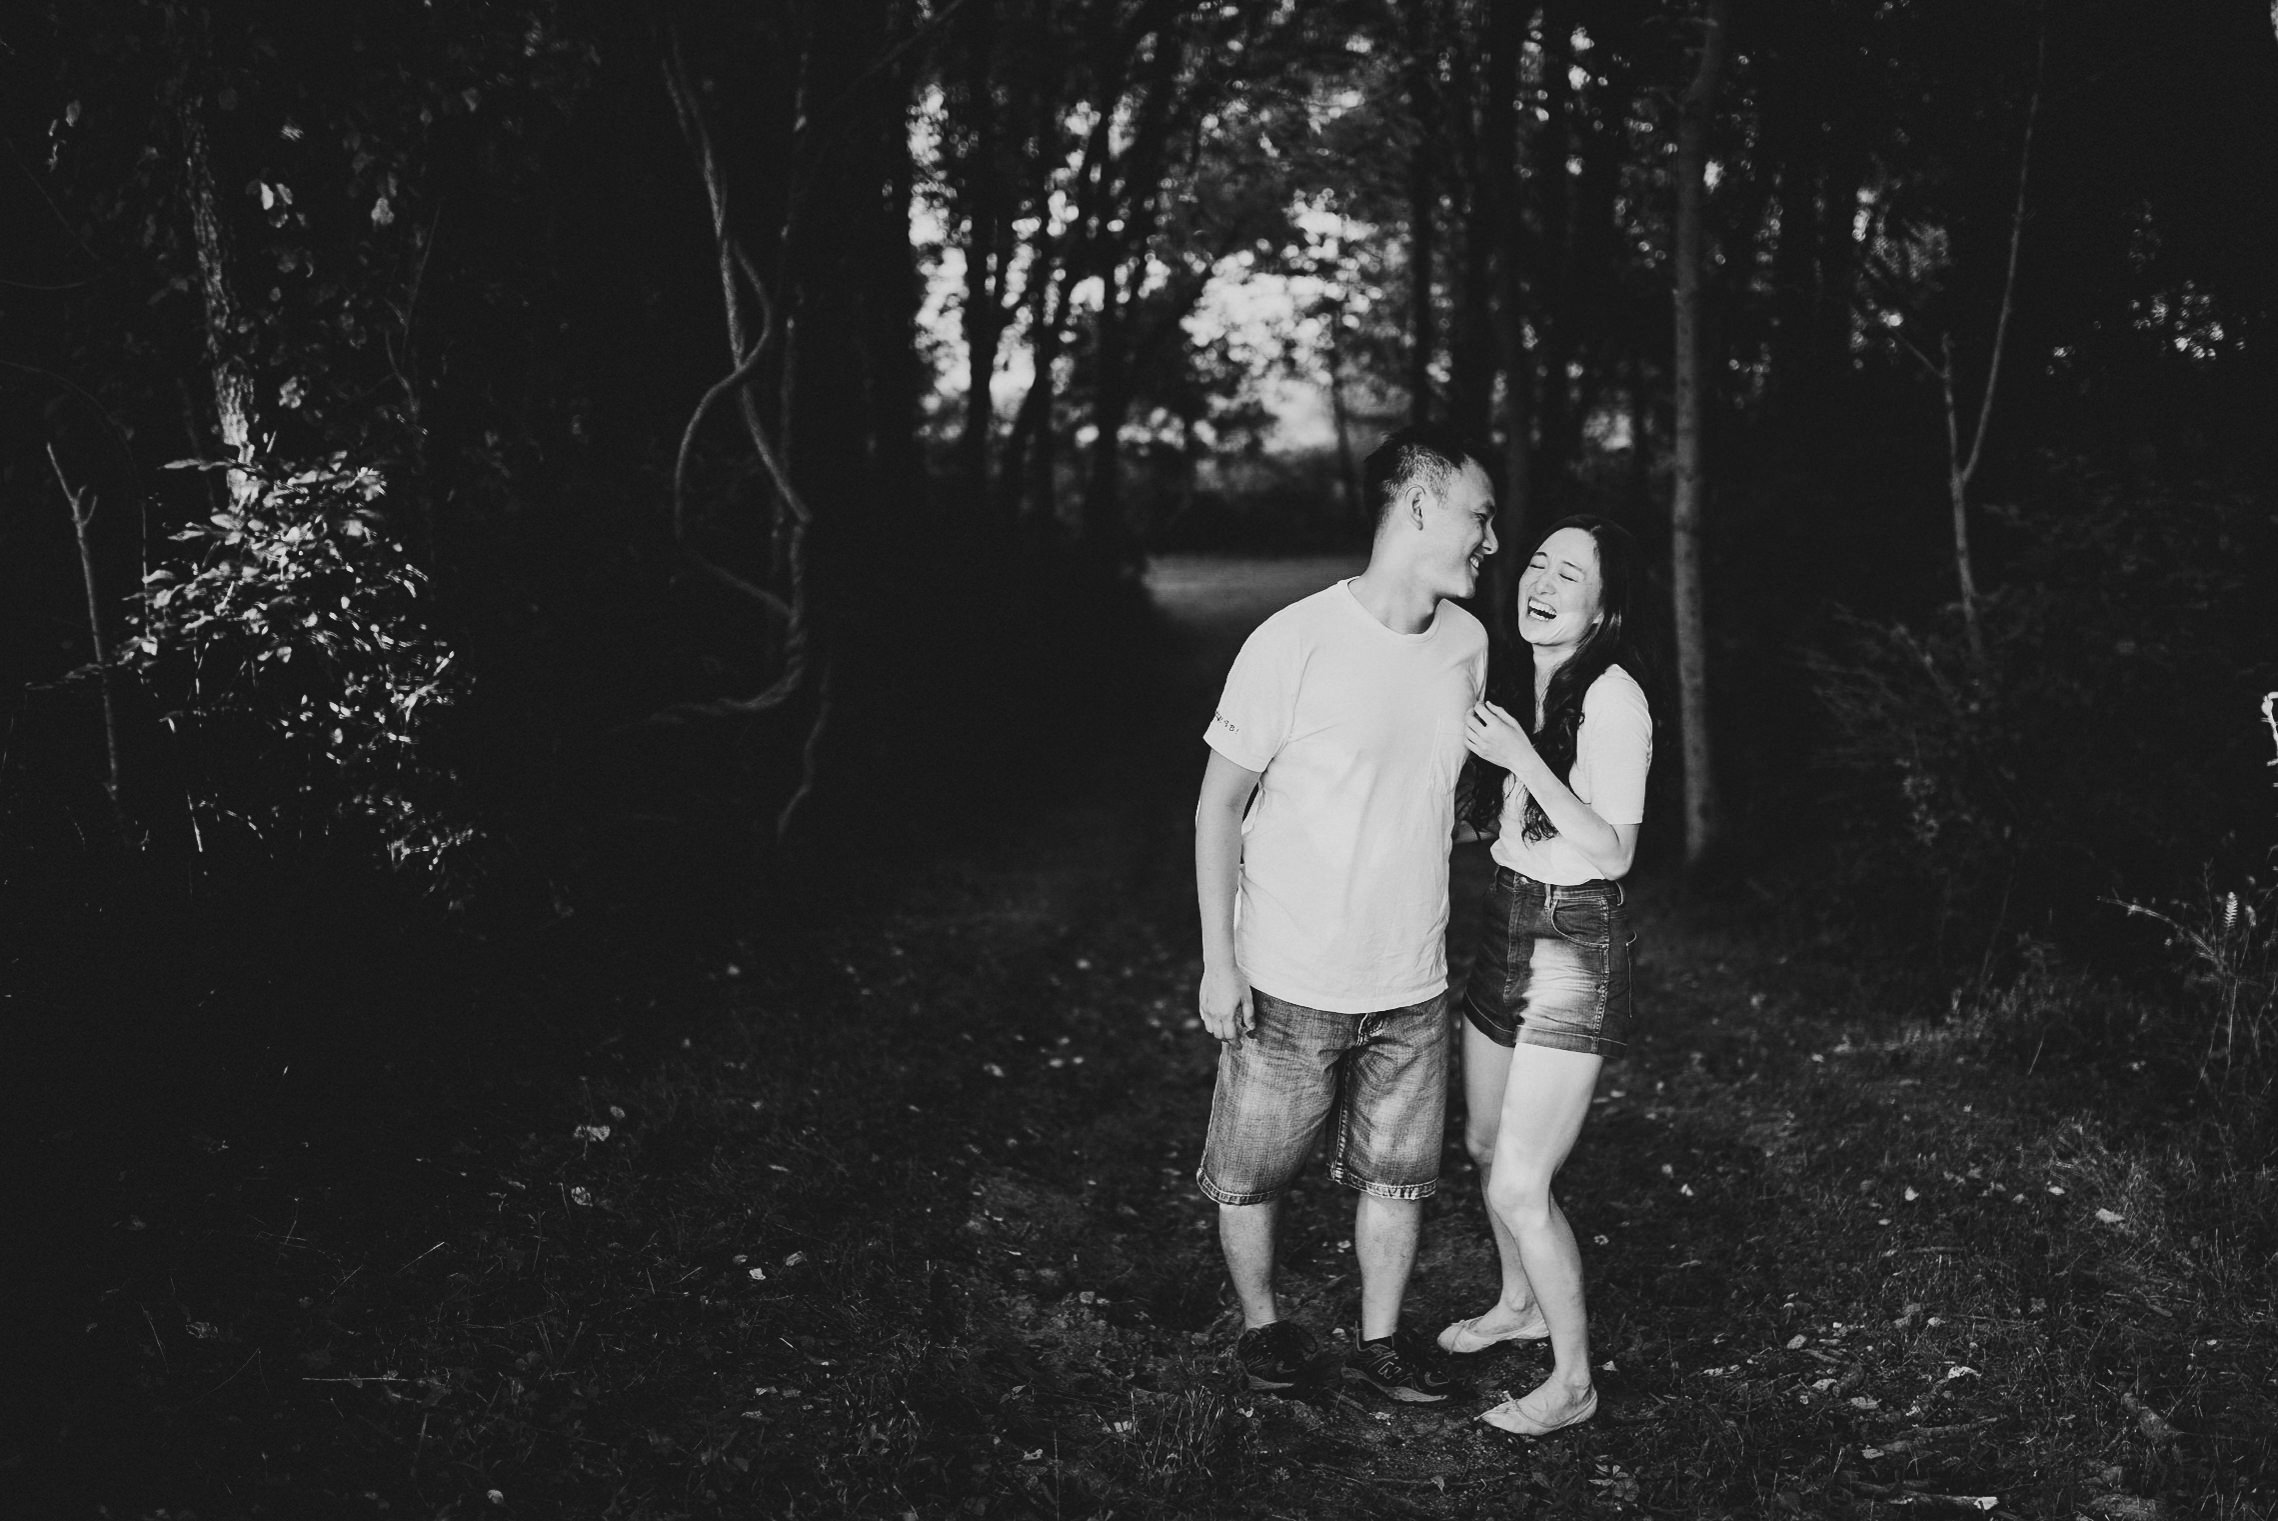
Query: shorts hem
x,y
1559,1040
1383,1190
1499,1034
1217,1195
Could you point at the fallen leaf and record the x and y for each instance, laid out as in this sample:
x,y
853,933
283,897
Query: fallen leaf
x,y
2110,1217
2148,1421
591,1133
2127,1508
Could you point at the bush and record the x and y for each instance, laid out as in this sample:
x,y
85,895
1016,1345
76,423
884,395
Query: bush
x,y
289,651
2098,744
2225,944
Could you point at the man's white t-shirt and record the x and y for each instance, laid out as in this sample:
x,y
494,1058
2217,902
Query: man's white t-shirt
x,y
1612,752
1358,734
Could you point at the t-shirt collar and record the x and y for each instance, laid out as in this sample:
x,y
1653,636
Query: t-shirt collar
x,y
1353,601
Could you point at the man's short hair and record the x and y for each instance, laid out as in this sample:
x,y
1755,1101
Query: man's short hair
x,y
1422,454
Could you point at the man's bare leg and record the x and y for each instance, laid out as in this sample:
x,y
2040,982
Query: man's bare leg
x,y
1245,1235
1384,1242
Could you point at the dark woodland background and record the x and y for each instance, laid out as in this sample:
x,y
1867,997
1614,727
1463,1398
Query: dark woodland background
x,y
454,274
486,486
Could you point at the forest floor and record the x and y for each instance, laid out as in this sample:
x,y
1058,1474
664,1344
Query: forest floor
x,y
896,1218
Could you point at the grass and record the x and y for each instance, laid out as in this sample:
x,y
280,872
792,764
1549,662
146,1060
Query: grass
x,y
884,1207
904,1224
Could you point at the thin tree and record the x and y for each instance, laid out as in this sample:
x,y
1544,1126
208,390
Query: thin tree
x,y
1691,482
1961,463
82,503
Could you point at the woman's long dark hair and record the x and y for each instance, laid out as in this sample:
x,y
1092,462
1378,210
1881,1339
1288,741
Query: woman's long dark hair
x,y
1510,676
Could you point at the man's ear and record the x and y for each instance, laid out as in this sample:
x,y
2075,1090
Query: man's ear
x,y
1416,504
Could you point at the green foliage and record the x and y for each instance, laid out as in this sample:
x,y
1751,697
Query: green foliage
x,y
290,648
2224,944
2102,742
2107,744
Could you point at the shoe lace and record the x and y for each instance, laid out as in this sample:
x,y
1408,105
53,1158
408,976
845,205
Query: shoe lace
x,y
1399,1358
1389,1358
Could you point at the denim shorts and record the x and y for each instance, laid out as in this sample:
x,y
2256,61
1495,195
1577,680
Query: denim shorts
x,y
1381,1077
1552,968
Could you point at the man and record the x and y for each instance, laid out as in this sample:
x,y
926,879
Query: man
x,y
1324,907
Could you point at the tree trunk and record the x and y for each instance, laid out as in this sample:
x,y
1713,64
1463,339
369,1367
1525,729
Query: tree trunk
x,y
1506,37
232,381
1423,207
1340,416
1102,512
1685,509
1552,269
1473,348
984,266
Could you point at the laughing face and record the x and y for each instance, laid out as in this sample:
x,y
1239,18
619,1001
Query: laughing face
x,y
1463,521
1561,593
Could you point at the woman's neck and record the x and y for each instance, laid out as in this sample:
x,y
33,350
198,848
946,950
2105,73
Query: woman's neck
x,y
1547,660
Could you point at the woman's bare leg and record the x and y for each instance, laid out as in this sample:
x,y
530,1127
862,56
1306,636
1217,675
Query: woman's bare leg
x,y
1486,1066
1546,1097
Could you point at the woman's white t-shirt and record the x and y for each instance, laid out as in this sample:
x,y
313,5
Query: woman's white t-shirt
x,y
1357,732
1612,753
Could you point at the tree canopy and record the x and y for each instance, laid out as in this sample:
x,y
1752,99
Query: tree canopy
x,y
1087,278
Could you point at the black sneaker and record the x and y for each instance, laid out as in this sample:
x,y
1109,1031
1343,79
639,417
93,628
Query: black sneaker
x,y
1398,1374
1277,1355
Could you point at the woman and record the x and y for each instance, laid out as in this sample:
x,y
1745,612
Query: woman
x,y
1549,998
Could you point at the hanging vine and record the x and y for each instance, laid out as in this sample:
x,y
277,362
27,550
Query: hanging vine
x,y
790,610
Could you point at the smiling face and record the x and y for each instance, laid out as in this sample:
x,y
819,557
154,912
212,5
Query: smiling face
x,y
1461,523
1561,594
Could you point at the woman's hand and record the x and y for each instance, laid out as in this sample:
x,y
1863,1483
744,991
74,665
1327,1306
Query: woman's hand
x,y
1495,736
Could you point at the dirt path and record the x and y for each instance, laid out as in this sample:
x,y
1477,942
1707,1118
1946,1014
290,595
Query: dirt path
x,y
905,1226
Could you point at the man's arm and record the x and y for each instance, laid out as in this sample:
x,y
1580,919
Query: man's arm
x,y
1224,998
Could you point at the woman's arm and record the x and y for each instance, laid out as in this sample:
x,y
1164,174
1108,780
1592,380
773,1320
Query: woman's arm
x,y
1494,735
